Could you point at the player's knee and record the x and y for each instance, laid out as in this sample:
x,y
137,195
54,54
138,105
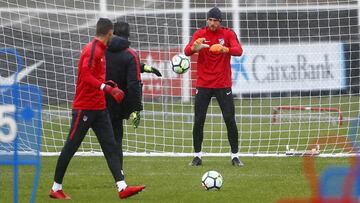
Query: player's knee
x,y
229,119
113,151
199,120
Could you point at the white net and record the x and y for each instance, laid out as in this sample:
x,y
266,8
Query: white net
x,y
305,125
299,115
296,53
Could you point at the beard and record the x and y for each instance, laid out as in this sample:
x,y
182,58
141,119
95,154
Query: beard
x,y
213,27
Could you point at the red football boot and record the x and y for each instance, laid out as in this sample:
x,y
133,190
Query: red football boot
x,y
130,191
59,195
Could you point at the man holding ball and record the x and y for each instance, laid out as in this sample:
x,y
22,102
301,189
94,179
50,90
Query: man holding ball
x,y
215,45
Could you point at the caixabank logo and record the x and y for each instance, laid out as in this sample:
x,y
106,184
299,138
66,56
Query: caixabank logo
x,y
286,68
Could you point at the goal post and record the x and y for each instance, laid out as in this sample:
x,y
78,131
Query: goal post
x,y
297,81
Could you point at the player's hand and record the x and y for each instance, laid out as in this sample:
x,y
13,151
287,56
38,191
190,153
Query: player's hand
x,y
218,49
115,92
150,69
111,83
198,45
135,118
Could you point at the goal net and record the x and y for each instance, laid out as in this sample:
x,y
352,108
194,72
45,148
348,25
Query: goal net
x,y
300,114
318,122
296,54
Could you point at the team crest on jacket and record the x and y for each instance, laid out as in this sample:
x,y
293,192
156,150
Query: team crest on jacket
x,y
221,41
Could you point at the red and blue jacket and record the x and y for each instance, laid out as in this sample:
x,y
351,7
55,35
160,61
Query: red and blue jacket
x,y
91,74
214,70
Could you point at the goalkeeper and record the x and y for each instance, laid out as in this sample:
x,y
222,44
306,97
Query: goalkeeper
x,y
89,111
123,67
215,45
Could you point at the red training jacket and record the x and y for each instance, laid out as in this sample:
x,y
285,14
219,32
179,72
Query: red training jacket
x,y
91,74
214,70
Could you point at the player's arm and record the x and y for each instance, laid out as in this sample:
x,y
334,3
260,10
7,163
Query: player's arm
x,y
145,68
86,74
235,48
134,89
195,45
134,86
87,77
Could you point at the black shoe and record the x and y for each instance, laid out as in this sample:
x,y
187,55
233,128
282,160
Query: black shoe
x,y
236,162
196,162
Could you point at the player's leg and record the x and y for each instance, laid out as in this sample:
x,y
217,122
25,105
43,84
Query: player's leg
x,y
226,103
118,129
80,124
105,135
202,100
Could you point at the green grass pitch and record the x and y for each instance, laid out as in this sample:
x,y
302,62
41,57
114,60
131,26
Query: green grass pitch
x,y
171,179
89,180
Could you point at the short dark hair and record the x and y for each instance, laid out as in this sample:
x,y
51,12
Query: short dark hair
x,y
122,29
103,26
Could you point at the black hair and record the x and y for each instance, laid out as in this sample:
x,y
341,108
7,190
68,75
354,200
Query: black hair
x,y
122,29
103,26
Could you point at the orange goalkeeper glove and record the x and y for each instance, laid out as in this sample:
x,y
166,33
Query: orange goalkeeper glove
x,y
218,48
198,45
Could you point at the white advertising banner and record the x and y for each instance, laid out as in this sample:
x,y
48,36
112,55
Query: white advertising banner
x,y
283,68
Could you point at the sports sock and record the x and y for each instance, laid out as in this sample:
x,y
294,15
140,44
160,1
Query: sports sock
x,y
121,185
198,154
234,155
56,186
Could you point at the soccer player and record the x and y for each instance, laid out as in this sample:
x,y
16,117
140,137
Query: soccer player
x,y
215,45
89,111
124,68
